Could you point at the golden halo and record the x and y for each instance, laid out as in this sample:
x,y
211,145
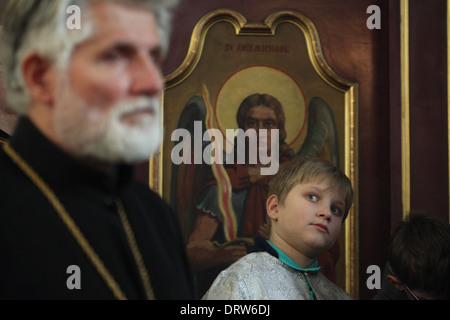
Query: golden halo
x,y
263,80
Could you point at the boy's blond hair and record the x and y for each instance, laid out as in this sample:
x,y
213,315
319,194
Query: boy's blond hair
x,y
303,170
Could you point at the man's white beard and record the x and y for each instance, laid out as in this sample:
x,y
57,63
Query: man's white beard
x,y
99,133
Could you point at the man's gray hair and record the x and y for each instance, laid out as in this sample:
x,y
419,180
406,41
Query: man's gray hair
x,y
40,26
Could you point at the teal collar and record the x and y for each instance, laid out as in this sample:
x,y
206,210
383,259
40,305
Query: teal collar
x,y
313,268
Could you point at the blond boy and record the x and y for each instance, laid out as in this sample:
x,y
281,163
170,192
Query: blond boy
x,y
308,201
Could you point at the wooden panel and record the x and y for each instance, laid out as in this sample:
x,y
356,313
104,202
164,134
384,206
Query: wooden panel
x,y
428,107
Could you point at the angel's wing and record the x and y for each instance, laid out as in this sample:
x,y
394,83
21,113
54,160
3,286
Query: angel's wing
x,y
321,138
187,179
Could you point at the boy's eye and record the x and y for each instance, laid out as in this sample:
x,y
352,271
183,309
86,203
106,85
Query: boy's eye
x,y
336,210
312,197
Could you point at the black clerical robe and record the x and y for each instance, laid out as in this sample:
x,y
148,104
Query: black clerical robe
x,y
3,137
36,248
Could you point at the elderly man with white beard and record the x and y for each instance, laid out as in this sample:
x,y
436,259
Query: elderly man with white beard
x,y
74,224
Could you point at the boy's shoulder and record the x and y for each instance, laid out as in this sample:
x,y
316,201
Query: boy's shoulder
x,y
250,265
259,275
237,282
256,276
327,290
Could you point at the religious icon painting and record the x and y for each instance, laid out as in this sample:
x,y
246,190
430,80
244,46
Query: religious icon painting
x,y
247,98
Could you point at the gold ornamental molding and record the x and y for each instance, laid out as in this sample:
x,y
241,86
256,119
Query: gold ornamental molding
x,y
405,115
448,93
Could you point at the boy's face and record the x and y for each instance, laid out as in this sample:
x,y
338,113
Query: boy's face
x,y
309,220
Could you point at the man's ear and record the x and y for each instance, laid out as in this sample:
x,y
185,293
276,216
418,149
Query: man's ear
x,y
272,207
39,77
396,283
